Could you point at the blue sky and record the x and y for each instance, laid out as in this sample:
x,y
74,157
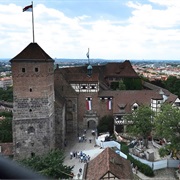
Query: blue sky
x,y
111,29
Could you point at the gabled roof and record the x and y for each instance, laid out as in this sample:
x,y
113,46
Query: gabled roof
x,y
128,98
120,69
33,52
172,98
108,161
157,88
79,74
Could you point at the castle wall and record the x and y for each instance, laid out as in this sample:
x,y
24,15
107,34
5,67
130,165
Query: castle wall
x,y
60,125
64,89
98,106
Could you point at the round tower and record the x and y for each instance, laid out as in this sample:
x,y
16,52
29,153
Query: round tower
x,y
33,104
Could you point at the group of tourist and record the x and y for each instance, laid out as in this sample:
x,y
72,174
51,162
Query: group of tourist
x,y
83,158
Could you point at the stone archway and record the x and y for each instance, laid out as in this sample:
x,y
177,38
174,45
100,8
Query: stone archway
x,y
90,120
91,124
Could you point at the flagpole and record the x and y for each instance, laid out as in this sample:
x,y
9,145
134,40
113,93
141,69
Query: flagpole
x,y
33,23
88,55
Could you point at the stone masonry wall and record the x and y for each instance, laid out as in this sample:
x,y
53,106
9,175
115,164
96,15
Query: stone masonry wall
x,y
31,137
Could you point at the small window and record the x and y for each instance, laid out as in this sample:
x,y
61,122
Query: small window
x,y
36,69
31,130
93,87
30,90
83,87
30,110
23,70
32,154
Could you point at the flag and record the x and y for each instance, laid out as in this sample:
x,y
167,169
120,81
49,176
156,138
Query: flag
x,y
88,103
109,104
28,8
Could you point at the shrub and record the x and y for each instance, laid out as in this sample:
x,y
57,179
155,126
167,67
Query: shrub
x,y
124,148
145,169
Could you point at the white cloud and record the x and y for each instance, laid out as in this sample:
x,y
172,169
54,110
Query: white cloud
x,y
148,33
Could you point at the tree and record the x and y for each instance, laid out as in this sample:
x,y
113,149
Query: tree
x,y
6,127
6,95
173,85
50,165
114,85
167,125
106,124
141,122
132,84
122,85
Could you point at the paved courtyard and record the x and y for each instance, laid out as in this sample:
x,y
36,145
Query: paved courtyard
x,y
73,145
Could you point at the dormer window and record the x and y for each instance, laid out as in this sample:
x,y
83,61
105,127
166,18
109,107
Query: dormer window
x,y
122,107
135,106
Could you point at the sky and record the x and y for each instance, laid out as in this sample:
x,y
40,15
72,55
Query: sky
x,y
111,29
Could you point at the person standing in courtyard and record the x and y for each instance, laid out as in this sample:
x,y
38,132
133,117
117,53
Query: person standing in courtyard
x,y
136,169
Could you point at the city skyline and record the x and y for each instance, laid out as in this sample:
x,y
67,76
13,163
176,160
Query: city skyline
x,y
111,29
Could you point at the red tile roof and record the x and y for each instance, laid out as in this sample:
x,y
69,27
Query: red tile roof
x,y
108,161
128,98
32,52
124,69
79,74
6,149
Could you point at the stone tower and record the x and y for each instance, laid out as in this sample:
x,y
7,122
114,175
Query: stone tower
x,y
33,104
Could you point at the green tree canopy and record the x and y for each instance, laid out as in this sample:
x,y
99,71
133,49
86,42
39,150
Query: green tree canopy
x,y
167,125
122,86
173,85
132,84
6,95
6,127
127,84
106,124
141,122
50,165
